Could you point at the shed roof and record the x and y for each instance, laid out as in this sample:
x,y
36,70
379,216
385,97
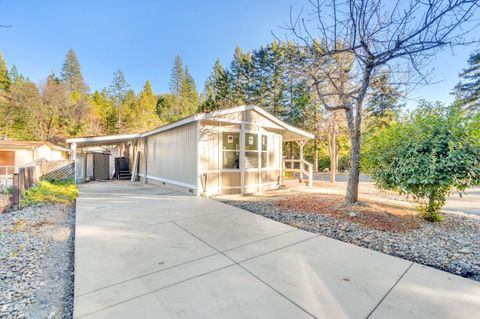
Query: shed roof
x,y
30,145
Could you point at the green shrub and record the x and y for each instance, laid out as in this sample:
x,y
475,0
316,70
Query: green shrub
x,y
427,155
64,192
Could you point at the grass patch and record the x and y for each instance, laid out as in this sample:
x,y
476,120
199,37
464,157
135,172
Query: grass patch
x,y
63,192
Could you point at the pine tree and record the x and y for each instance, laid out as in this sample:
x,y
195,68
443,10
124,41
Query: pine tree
x,y
217,92
15,76
71,73
238,77
189,94
176,76
277,86
5,81
147,117
119,88
468,89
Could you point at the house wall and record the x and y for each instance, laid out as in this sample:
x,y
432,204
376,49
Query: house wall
x,y
24,156
171,157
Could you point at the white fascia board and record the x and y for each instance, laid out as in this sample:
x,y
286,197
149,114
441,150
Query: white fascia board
x,y
266,114
106,138
187,120
287,126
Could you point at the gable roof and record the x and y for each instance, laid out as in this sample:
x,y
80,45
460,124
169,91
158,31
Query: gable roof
x,y
30,145
236,109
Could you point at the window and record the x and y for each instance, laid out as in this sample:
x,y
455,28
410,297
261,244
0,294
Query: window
x,y
264,149
231,150
251,142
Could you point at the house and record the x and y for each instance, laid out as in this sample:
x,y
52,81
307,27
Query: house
x,y
231,151
14,154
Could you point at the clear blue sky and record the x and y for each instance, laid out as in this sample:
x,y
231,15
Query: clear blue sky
x,y
142,38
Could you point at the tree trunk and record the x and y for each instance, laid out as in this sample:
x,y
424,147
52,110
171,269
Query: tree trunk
x,y
315,154
354,172
332,146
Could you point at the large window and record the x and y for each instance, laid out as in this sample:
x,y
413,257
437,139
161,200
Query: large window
x,y
251,150
231,150
263,151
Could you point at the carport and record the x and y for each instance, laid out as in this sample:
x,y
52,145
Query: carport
x,y
95,156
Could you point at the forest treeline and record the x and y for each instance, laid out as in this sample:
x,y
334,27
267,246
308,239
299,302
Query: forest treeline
x,y
275,77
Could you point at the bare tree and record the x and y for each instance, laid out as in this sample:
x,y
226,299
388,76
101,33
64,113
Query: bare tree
x,y
356,40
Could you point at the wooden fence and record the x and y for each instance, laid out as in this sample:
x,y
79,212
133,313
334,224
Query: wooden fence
x,y
42,170
23,180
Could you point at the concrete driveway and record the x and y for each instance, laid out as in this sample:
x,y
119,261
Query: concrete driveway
x,y
147,252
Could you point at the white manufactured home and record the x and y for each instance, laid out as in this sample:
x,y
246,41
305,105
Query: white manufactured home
x,y
230,151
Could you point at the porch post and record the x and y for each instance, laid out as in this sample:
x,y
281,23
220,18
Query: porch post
x,y
145,160
301,143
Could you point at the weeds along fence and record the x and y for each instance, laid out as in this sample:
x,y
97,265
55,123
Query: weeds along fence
x,y
40,170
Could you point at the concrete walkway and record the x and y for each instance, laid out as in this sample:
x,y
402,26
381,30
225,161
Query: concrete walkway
x,y
146,252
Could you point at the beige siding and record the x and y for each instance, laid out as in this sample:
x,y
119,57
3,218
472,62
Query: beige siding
x,y
171,155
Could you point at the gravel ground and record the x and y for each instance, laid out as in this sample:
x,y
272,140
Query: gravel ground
x,y
452,245
36,262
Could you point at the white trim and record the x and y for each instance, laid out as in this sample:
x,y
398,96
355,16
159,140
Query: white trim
x,y
105,138
169,181
187,120
212,115
198,172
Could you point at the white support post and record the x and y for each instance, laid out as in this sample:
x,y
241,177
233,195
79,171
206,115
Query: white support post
x,y
259,157
242,158
302,143
145,159
198,172
310,175
73,147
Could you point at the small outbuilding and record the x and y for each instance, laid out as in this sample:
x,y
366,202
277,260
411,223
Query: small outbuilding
x,y
231,151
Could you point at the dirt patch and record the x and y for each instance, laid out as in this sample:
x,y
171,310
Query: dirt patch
x,y
370,214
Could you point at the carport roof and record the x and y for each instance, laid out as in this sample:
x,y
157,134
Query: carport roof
x,y
101,140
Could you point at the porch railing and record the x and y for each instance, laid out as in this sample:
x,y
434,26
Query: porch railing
x,y
302,167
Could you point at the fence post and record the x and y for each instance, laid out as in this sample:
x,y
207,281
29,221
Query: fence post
x,y
15,191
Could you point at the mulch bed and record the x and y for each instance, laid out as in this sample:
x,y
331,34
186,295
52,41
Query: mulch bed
x,y
373,215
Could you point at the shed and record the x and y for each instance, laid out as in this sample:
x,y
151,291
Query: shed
x,y
231,151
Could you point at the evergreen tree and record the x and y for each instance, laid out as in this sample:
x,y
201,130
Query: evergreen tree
x,y
5,81
147,117
119,88
71,73
238,77
217,92
176,76
468,89
188,94
118,91
15,76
